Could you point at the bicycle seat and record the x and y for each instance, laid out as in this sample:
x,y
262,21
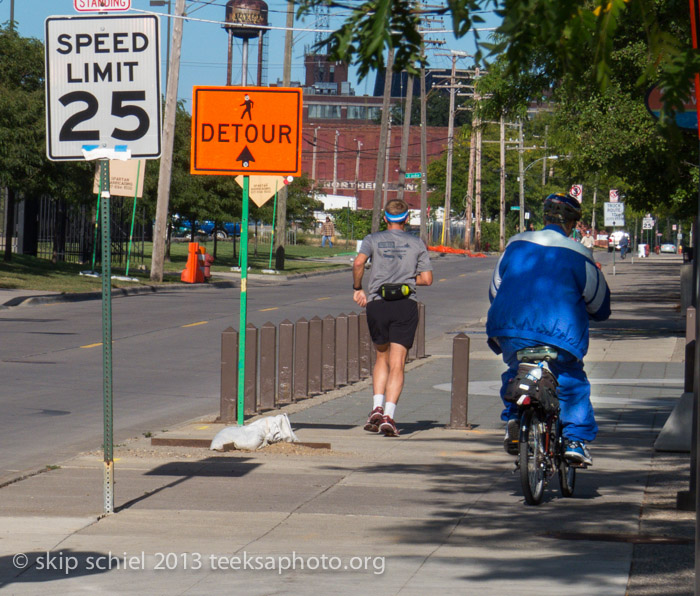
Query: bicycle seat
x,y
537,354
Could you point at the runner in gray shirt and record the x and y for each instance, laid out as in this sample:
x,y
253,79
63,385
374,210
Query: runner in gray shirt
x,y
400,262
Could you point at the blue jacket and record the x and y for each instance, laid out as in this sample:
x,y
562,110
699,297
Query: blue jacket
x,y
545,288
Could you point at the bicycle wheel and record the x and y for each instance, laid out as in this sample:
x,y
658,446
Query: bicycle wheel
x,y
567,472
532,473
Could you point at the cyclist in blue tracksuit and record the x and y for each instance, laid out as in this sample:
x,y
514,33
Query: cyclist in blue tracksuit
x,y
544,290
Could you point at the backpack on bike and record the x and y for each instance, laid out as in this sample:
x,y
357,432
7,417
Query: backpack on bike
x,y
542,390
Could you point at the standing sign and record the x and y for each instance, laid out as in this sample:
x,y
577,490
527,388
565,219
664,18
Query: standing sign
x,y
647,223
101,5
614,195
102,86
246,130
614,214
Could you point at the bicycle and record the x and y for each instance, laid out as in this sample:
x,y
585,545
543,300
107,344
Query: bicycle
x,y
540,443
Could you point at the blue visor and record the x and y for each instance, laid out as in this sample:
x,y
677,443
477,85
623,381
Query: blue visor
x,y
396,218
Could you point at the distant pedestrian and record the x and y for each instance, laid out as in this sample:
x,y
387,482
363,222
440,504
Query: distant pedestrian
x,y
327,233
587,240
400,262
624,245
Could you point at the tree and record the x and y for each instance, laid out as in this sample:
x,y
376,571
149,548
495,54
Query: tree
x,y
21,119
562,31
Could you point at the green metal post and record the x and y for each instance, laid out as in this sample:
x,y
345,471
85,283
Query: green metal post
x,y
272,236
133,217
108,441
243,302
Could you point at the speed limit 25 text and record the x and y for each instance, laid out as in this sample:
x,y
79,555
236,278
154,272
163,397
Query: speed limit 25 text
x,y
102,43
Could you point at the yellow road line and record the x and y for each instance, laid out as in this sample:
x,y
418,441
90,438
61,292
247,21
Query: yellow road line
x,y
195,324
324,298
91,345
443,279
266,309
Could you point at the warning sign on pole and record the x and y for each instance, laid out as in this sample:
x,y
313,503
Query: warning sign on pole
x,y
246,130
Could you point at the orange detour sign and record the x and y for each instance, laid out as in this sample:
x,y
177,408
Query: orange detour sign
x,y
246,130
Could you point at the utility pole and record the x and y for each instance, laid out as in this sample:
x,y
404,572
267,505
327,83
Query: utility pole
x,y
386,163
423,159
281,218
544,161
446,230
381,151
166,160
502,176
595,196
521,176
335,163
357,168
477,164
313,156
469,203
405,134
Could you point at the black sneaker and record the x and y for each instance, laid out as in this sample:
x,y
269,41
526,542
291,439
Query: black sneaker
x,y
510,442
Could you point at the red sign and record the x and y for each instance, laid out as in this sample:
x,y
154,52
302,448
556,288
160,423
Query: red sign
x,y
686,118
101,5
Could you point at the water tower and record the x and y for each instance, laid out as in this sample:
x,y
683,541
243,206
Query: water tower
x,y
246,19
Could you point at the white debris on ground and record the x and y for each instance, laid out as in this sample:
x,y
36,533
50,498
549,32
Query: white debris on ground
x,y
258,434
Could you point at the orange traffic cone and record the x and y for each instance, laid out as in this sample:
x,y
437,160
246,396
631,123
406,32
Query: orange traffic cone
x,y
189,274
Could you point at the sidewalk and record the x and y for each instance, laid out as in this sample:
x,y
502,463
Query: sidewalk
x,y
432,511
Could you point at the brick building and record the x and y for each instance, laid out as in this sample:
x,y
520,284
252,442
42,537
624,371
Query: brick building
x,y
341,138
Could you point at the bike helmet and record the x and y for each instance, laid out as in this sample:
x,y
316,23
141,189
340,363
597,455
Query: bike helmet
x,y
560,208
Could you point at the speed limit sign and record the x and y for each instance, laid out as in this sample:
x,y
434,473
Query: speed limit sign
x,y
102,85
576,191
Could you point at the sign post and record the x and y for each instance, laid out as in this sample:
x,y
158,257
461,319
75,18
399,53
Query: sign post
x,y
248,131
103,102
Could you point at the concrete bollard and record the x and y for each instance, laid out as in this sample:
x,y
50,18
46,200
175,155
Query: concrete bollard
x,y
268,367
315,354
285,362
301,359
460,382
229,376
250,389
341,350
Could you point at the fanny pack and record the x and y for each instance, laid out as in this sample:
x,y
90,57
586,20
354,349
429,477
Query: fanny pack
x,y
395,291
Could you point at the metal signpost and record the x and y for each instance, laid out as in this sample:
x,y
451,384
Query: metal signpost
x,y
245,130
103,102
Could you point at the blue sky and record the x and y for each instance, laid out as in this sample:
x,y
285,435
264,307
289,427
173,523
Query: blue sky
x,y
204,51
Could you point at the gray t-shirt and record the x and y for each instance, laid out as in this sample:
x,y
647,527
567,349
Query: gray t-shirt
x,y
397,258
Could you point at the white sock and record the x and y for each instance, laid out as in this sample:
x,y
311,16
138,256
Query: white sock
x,y
390,409
378,400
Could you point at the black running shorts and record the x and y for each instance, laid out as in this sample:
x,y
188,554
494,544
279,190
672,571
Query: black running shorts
x,y
392,322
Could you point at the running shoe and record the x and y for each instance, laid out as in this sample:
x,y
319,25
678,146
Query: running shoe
x,y
577,453
388,427
510,442
375,419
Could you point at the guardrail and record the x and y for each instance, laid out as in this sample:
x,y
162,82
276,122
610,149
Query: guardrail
x,y
299,360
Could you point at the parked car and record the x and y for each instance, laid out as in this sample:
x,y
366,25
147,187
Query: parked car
x,y
614,240
671,248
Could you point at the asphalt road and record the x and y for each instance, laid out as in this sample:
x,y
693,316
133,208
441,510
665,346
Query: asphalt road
x,y
166,354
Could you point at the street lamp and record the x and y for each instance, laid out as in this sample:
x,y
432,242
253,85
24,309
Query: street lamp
x,y
167,51
522,195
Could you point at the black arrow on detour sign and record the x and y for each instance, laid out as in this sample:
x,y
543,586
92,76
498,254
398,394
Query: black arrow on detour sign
x,y
246,156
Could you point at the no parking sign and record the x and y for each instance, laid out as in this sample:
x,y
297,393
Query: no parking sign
x,y
576,191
